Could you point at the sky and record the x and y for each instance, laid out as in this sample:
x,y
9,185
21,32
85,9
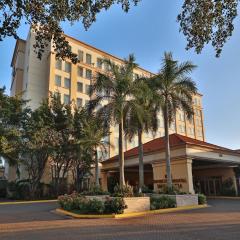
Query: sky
x,y
149,30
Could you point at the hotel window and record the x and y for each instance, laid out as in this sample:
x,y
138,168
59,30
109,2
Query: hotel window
x,y
80,71
135,76
88,58
89,74
57,95
172,126
66,99
79,87
79,102
180,117
116,145
99,63
58,64
87,89
181,129
80,55
106,67
190,130
67,67
191,120
67,83
58,80
199,133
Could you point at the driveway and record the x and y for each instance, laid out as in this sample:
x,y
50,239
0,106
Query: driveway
x,y
28,212
220,222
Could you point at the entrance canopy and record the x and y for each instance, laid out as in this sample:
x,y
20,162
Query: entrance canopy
x,y
191,161
181,147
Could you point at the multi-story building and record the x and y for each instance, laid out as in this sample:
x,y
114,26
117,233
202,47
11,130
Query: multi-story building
x,y
35,78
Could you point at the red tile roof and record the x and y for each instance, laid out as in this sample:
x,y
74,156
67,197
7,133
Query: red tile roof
x,y
158,144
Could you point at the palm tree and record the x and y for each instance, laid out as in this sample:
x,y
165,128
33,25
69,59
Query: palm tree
x,y
175,89
114,89
93,133
141,117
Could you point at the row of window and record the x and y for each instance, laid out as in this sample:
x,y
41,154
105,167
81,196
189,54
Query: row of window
x,y
67,100
67,84
197,101
81,72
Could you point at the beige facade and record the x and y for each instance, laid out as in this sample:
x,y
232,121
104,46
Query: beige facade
x,y
36,78
195,165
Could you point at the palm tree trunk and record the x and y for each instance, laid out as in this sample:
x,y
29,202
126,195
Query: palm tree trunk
x,y
96,170
167,149
141,166
121,154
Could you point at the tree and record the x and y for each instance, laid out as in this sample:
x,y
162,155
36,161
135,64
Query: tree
x,y
115,90
83,160
141,117
36,146
45,17
12,114
93,132
61,122
207,21
174,89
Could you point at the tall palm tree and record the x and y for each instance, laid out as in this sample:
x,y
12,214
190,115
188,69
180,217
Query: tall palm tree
x,y
175,89
114,89
141,117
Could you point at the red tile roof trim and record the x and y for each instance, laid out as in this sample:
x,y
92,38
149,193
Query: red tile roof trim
x,y
158,144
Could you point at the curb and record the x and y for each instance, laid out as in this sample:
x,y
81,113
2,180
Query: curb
x,y
224,197
128,215
26,202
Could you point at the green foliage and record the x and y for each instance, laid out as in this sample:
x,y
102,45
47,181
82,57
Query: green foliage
x,y
162,202
115,205
117,88
81,204
228,188
3,188
95,206
202,199
112,182
50,14
95,190
170,190
216,24
19,190
12,115
125,191
173,89
146,189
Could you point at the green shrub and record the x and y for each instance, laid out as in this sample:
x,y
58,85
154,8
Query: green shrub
x,y
146,189
125,191
19,190
3,188
162,202
115,205
202,199
95,206
95,190
66,202
228,188
172,191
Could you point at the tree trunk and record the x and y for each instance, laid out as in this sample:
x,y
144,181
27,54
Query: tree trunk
x,y
141,166
121,154
167,149
96,170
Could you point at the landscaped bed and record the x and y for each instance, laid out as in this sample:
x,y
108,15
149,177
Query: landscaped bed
x,y
106,206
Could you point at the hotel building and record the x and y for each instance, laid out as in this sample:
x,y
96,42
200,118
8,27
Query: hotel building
x,y
36,78
195,163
